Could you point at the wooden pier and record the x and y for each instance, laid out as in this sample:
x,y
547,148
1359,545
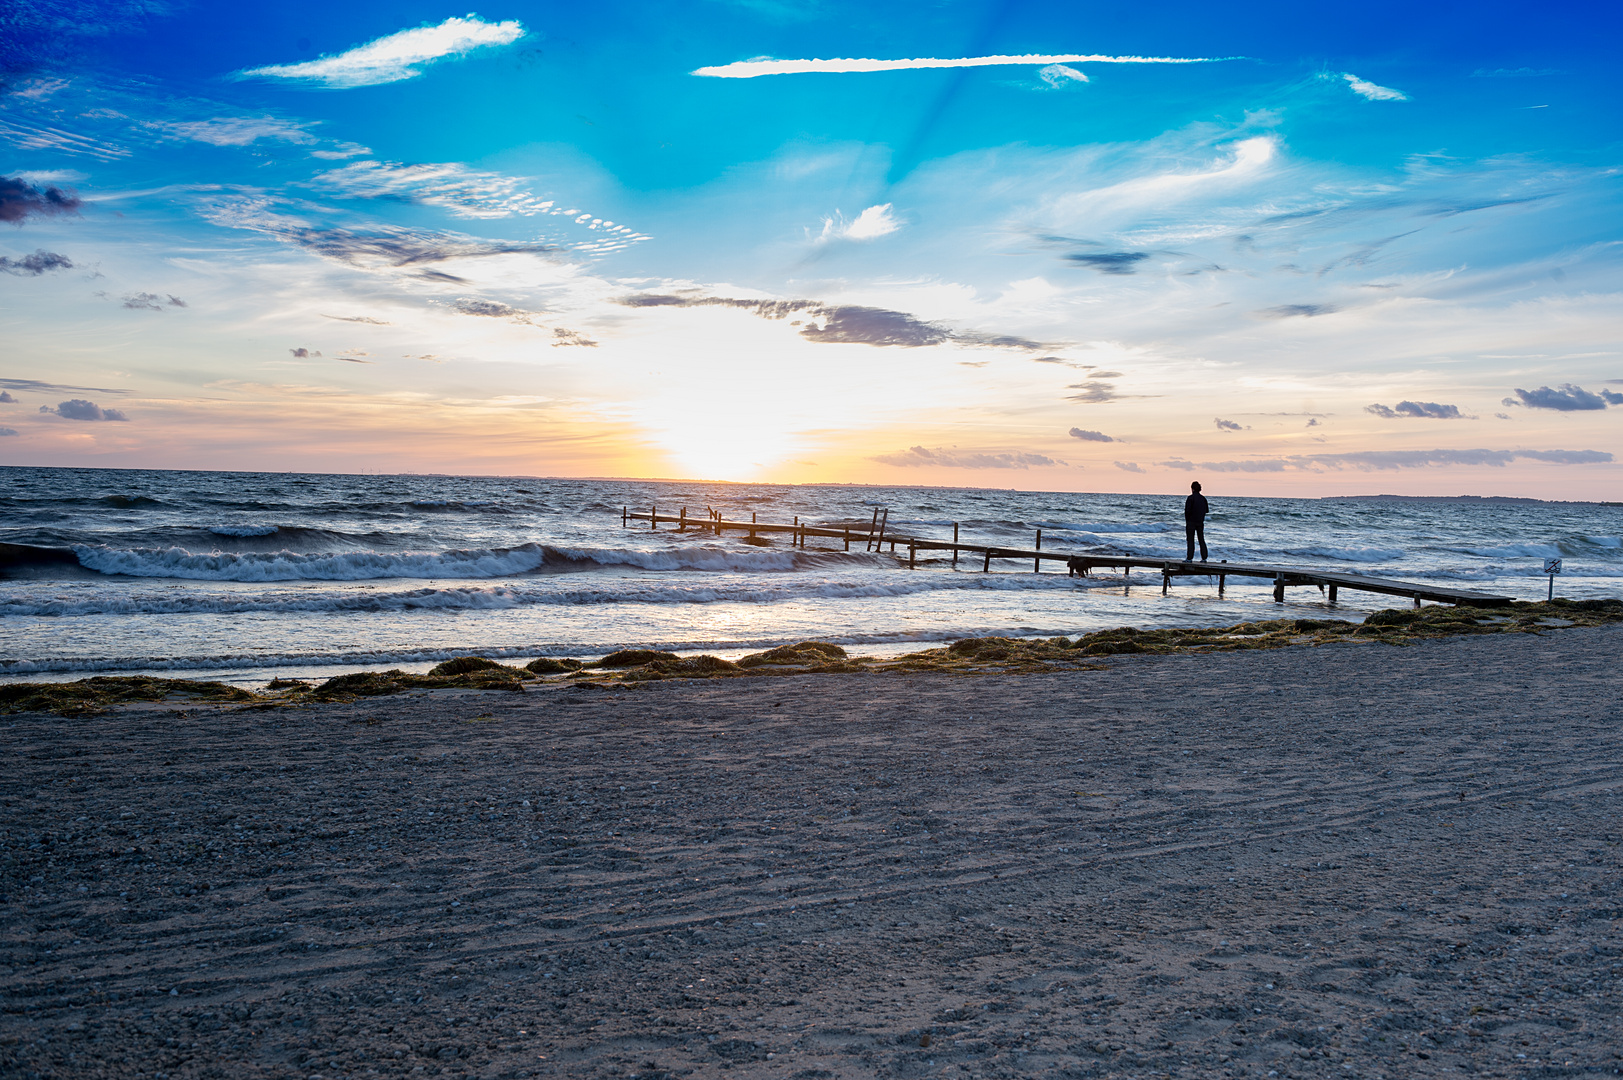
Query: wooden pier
x,y
874,535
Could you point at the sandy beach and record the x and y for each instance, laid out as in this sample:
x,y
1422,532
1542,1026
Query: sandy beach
x,y
1350,860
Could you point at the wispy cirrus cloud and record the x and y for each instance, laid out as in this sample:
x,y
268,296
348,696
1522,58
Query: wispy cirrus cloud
x,y
1366,89
751,69
871,224
918,456
36,386
373,247
30,135
233,130
397,56
466,193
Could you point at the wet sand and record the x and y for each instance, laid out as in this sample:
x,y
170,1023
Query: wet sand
x,y
1352,860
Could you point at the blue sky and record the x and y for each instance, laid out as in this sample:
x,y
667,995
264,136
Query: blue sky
x,y
1081,247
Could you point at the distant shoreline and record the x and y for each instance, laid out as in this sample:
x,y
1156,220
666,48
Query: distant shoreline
x,y
1506,499
1500,499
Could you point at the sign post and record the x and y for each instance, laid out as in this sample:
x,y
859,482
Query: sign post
x,y
1552,567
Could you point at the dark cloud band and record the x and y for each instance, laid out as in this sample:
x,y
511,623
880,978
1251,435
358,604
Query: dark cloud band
x,y
845,324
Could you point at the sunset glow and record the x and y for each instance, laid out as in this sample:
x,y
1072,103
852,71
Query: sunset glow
x,y
515,242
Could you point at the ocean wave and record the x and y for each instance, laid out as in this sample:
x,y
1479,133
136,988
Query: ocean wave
x,y
544,593
1348,554
284,565
243,530
1604,541
1106,527
257,566
124,502
1512,551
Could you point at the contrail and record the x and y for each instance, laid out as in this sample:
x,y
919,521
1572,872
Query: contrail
x,y
749,69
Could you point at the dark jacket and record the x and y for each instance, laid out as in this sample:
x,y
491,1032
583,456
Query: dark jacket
x,y
1194,508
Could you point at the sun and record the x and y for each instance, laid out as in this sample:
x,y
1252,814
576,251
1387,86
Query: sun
x,y
731,450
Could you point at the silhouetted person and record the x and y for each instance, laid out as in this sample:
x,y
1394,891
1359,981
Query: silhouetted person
x,y
1194,522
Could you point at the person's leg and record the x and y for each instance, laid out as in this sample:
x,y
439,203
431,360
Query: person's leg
x,y
1200,531
1189,528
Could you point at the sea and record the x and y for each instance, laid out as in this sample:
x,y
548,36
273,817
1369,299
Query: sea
x,y
245,577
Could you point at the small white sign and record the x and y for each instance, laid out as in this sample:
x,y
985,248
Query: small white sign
x,y
1552,566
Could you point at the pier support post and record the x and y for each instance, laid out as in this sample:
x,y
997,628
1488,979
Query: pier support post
x,y
1166,579
912,556
653,517
682,522
625,511
1332,592
1279,590
1037,563
987,565
848,538
1221,578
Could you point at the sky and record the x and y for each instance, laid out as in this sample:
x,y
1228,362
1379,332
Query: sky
x,y
1049,246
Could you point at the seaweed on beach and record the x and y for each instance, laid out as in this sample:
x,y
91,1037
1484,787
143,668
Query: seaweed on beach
x,y
464,673
88,697
970,656
803,653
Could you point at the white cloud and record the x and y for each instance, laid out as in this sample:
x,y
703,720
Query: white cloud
x,y
872,223
233,130
39,89
1179,189
397,56
341,151
1372,91
1058,75
750,69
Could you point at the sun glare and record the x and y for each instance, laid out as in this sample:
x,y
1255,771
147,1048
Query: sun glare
x,y
731,451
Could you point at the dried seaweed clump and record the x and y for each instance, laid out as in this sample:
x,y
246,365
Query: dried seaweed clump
x,y
492,676
800,654
546,665
678,667
87,697
465,665
627,658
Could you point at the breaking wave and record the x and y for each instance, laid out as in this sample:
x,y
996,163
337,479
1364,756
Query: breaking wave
x,y
273,566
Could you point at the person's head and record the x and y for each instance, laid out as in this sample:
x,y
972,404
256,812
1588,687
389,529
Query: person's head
x,y
1194,485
